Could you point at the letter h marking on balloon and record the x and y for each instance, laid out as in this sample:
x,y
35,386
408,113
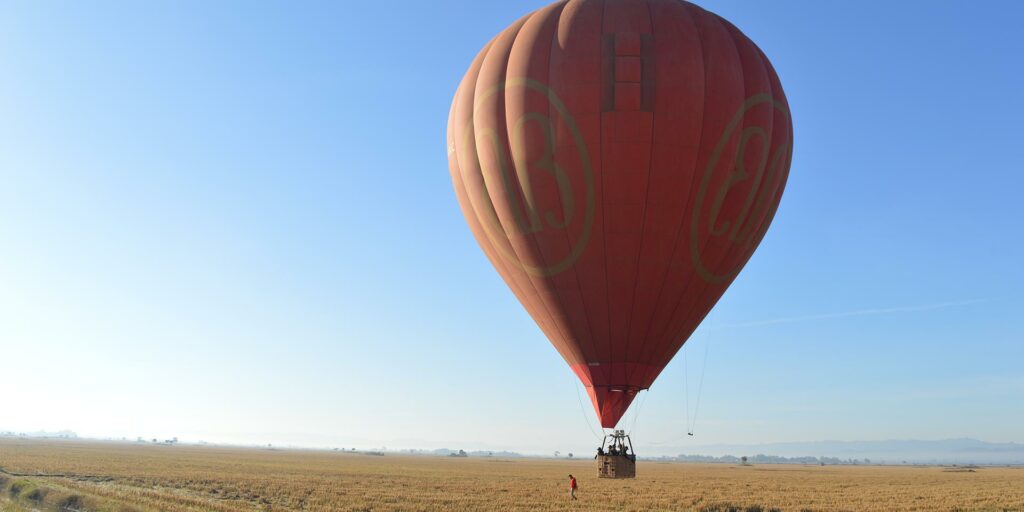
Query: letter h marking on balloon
x,y
628,68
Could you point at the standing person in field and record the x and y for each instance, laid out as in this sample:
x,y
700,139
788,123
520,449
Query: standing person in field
x,y
572,487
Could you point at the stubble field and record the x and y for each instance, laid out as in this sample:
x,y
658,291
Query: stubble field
x,y
94,476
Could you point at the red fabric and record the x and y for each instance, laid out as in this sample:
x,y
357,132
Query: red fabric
x,y
572,483
619,162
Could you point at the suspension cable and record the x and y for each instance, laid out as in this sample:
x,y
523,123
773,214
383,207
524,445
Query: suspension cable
x,y
686,387
691,425
636,412
583,411
703,369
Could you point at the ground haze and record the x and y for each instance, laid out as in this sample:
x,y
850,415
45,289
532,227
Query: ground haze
x,y
88,476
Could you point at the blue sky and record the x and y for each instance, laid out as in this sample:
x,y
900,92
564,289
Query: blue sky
x,y
234,222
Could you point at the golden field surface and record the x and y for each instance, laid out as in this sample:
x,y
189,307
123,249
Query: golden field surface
x,y
99,476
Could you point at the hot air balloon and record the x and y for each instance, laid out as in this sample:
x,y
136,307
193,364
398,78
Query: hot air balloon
x,y
619,161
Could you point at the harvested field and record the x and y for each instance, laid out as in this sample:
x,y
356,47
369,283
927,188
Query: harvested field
x,y
95,476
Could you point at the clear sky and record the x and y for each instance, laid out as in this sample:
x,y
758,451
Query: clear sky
x,y
233,221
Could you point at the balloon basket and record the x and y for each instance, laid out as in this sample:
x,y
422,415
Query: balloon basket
x,y
615,458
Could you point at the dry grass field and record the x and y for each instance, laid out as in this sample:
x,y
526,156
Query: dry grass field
x,y
94,476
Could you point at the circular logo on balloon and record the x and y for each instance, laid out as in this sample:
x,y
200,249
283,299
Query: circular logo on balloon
x,y
755,173
513,160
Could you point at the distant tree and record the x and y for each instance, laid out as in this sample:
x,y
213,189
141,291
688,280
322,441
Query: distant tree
x,y
570,455
743,460
557,453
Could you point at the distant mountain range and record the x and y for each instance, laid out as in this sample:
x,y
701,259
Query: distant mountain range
x,y
946,451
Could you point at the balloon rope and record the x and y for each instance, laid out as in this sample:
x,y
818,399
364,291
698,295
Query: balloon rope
x,y
686,388
584,411
703,369
636,413
700,387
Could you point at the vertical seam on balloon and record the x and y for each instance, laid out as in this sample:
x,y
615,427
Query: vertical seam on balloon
x,y
489,252
730,252
532,238
643,219
655,345
555,324
769,212
604,223
566,331
579,290
602,371
486,245
689,283
700,141
668,332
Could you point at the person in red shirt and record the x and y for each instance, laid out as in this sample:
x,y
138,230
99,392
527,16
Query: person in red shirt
x,y
572,487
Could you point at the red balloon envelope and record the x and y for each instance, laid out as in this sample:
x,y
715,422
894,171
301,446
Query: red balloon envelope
x,y
619,162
